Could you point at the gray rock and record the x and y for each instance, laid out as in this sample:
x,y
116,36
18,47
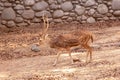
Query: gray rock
x,y
19,7
11,24
91,12
51,1
117,13
83,1
83,17
1,8
7,4
91,20
8,14
59,1
57,20
19,19
54,6
3,22
36,20
106,18
29,2
67,6
90,3
40,6
28,14
58,13
40,14
102,9
35,48
79,10
116,4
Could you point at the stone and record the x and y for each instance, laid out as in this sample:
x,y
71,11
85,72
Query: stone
x,y
7,4
90,3
35,48
83,1
40,6
40,14
11,24
83,17
19,19
67,6
3,22
117,13
54,6
29,2
116,4
28,14
8,14
51,1
91,12
57,20
58,13
102,9
91,20
19,7
59,1
79,10
36,20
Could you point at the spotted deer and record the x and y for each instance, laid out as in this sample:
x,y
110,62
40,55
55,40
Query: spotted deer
x,y
64,42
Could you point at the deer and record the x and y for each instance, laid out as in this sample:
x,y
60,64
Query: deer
x,y
64,42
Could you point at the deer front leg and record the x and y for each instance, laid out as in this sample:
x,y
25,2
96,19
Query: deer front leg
x,y
70,56
58,55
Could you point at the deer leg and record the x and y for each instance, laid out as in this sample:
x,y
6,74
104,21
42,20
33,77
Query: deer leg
x,y
89,52
58,55
71,58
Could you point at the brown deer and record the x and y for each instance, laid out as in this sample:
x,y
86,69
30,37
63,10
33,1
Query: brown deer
x,y
66,41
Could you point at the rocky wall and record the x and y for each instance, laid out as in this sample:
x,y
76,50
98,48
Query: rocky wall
x,y
27,12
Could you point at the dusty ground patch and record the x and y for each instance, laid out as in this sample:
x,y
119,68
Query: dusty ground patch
x,y
18,62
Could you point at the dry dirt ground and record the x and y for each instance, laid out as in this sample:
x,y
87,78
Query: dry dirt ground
x,y
18,62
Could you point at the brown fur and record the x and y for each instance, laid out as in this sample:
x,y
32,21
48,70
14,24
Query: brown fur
x,y
66,41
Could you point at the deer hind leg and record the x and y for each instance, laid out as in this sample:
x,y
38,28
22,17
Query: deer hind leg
x,y
70,56
58,55
89,52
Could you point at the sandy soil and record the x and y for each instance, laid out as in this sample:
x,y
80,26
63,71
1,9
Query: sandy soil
x,y
18,62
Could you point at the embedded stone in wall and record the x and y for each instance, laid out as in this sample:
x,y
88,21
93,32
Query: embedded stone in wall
x,y
117,13
8,14
83,1
28,14
11,24
54,6
58,13
19,8
19,19
91,12
67,6
116,4
90,3
40,6
51,1
102,9
40,14
29,2
91,20
79,10
7,4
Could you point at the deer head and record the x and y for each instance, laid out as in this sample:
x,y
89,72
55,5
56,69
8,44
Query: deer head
x,y
44,34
